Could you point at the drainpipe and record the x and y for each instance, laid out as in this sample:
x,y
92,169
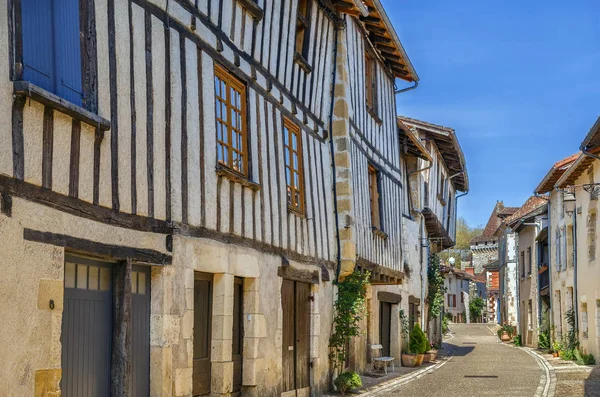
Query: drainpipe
x,y
592,155
550,290
331,148
456,210
412,87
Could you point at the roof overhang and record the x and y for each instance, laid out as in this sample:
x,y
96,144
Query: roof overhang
x,y
435,229
382,35
411,143
542,235
380,275
592,139
449,148
557,170
577,168
519,223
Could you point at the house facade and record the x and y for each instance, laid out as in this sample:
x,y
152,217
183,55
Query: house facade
x,y
457,284
166,174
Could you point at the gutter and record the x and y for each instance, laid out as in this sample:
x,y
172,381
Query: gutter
x,y
331,148
412,87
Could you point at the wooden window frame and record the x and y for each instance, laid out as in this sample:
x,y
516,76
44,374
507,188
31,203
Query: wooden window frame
x,y
232,82
292,130
302,31
375,197
371,83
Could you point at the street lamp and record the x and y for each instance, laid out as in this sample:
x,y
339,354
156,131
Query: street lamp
x,y
452,261
569,203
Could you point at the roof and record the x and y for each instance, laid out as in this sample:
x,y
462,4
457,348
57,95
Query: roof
x,y
557,170
499,212
530,206
592,139
411,143
578,167
493,265
381,34
447,143
480,278
458,273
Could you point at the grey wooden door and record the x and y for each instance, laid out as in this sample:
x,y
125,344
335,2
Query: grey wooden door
x,y
140,331
385,313
295,302
202,333
238,333
86,329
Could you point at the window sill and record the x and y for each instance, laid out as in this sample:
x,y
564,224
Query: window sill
x,y
379,232
293,211
54,101
374,115
253,9
235,177
303,63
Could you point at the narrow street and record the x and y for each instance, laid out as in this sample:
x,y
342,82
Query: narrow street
x,y
480,366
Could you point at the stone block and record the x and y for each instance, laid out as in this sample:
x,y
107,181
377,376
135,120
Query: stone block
x,y
348,250
188,278
342,159
223,284
51,290
187,324
47,383
183,382
251,348
314,346
243,264
222,305
222,327
161,372
251,370
165,329
221,350
221,377
251,284
315,324
255,326
251,302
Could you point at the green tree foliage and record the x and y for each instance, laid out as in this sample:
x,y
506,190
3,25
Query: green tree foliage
x,y
465,233
347,381
435,295
349,310
418,341
476,306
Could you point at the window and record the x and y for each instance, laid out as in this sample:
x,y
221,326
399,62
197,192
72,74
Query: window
x,y
584,320
292,145
529,315
370,82
52,47
569,246
529,260
302,28
230,109
374,195
591,236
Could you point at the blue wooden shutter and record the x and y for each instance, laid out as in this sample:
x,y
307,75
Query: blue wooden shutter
x,y
38,52
68,50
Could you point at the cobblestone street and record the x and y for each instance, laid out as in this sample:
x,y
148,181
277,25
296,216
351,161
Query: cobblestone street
x,y
480,366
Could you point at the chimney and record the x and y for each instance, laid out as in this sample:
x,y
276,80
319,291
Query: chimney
x,y
470,270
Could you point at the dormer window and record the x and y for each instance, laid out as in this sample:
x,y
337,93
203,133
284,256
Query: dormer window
x,y
302,28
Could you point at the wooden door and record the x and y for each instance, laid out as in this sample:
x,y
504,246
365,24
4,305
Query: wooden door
x,y
238,333
86,328
202,333
295,301
140,331
385,317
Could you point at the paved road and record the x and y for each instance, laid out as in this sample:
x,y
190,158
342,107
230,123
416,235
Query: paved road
x,y
480,367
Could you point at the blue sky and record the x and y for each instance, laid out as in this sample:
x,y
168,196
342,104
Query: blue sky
x,y
519,81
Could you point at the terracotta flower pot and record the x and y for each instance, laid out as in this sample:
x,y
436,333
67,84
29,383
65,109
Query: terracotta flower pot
x,y
420,358
554,354
505,337
430,356
409,360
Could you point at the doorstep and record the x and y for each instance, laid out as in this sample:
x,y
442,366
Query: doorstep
x,y
375,382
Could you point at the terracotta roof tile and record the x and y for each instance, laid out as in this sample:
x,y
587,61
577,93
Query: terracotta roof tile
x,y
493,223
532,204
555,173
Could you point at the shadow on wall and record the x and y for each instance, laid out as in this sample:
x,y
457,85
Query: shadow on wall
x,y
592,383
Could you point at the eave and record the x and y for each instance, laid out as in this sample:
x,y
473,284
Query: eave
x,y
557,170
382,35
380,275
577,168
435,229
449,148
411,144
592,139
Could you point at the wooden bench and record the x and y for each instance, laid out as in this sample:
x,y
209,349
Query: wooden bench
x,y
379,362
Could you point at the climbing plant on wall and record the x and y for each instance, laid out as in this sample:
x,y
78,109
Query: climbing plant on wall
x,y
435,295
349,311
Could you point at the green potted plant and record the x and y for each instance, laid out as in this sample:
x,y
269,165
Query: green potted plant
x,y
431,354
556,348
417,346
505,333
347,381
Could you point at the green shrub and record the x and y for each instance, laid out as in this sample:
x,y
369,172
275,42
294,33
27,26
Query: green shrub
x,y
568,354
517,340
556,346
347,381
418,341
445,324
544,340
584,359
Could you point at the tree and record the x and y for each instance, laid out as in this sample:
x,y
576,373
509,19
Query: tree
x,y
465,233
476,308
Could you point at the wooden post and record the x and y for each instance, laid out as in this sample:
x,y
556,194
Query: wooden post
x,y
121,344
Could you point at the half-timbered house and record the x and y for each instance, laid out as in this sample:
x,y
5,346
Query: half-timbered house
x,y
167,221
